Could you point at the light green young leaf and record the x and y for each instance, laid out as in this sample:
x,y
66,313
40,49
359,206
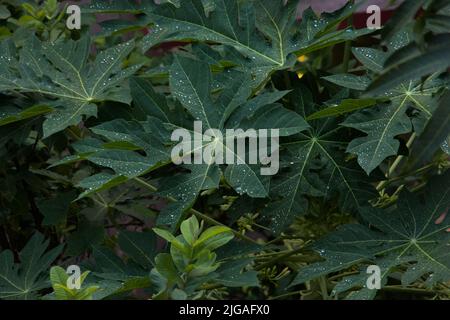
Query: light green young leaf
x,y
190,230
58,276
166,235
165,266
213,238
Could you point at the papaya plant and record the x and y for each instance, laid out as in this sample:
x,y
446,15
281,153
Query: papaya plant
x,y
216,149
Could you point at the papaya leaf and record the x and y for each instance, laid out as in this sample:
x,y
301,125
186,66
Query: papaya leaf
x,y
24,280
317,149
61,71
385,122
406,235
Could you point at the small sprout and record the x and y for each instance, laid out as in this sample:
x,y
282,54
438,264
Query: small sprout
x,y
59,279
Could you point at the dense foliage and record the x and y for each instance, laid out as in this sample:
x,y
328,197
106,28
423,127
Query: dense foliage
x,y
87,177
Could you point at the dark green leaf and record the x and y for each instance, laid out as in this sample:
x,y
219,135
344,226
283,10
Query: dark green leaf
x,y
23,280
406,235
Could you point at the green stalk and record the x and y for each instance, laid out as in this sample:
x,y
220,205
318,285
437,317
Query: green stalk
x,y
414,290
348,46
395,164
279,258
324,288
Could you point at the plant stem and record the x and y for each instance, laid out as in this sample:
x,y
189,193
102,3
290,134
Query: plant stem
x,y
74,134
104,202
279,258
403,176
348,46
395,164
286,295
212,286
323,288
386,288
287,80
342,275
101,204
145,184
413,290
347,50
